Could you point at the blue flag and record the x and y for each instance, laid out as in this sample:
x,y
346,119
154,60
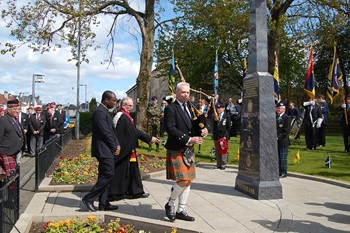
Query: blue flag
x,y
276,81
216,75
335,77
171,82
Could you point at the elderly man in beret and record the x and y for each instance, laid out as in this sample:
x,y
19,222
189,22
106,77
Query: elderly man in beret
x,y
11,139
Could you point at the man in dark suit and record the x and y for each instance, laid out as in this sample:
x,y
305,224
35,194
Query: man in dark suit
x,y
11,139
61,117
51,122
312,121
37,123
283,128
180,127
221,130
105,147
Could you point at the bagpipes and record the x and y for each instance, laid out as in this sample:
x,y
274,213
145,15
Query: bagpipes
x,y
199,118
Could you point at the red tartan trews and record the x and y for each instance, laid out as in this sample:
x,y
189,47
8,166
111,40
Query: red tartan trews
x,y
8,164
176,169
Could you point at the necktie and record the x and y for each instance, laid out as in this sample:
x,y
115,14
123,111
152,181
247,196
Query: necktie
x,y
37,118
186,112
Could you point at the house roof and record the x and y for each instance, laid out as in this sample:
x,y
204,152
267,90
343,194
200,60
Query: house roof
x,y
3,100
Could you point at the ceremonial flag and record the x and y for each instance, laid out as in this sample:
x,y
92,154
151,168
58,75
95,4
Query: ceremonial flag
x,y
276,80
244,67
171,82
335,77
216,75
328,162
297,157
309,84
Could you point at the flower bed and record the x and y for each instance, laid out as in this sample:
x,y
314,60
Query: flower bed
x,y
83,169
88,225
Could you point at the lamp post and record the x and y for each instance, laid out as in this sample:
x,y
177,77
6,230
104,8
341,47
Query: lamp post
x,y
86,104
37,78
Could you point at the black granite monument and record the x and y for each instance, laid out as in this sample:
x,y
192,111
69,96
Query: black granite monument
x,y
258,174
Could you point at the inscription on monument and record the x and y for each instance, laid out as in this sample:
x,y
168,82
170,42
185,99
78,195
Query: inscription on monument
x,y
251,87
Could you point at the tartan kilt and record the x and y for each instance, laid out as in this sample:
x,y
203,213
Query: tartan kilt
x,y
176,169
8,164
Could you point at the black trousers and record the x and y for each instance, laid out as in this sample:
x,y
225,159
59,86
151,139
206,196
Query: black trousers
x,y
105,175
321,136
346,135
310,137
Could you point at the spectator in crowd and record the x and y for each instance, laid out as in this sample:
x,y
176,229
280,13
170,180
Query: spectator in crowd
x,y
105,147
164,104
2,111
154,112
23,120
312,121
202,106
221,134
11,139
283,128
180,152
61,118
232,110
30,112
345,123
37,123
51,121
321,132
127,182
294,115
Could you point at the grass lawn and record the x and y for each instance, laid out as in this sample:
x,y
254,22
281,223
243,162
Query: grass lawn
x,y
311,162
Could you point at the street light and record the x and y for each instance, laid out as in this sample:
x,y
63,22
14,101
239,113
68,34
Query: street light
x,y
37,78
86,107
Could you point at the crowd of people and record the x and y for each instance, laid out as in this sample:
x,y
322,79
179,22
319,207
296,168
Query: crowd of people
x,y
23,133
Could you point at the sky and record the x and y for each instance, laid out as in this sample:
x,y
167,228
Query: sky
x,y
60,86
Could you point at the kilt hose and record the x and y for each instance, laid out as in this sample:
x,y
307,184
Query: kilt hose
x,y
283,160
176,169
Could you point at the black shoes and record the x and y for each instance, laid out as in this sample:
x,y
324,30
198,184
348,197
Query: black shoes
x,y
184,216
89,205
107,207
170,211
142,195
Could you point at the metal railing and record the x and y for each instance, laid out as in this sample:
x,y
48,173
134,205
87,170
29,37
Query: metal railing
x,y
45,157
9,202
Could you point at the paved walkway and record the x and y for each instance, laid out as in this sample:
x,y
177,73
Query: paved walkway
x,y
307,206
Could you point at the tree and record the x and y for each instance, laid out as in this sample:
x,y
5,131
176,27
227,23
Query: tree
x,y
204,26
47,24
92,105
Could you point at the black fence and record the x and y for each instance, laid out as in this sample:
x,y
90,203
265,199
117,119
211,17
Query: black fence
x,y
45,157
9,202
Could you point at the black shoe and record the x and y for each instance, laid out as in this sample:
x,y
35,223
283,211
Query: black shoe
x,y
89,205
170,211
283,176
107,207
184,216
141,195
222,168
216,167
